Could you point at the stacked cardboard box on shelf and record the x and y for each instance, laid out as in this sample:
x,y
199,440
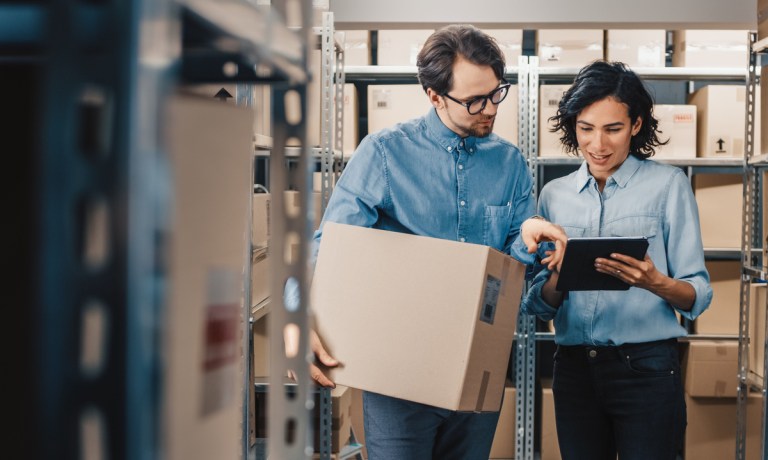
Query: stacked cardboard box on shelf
x,y
719,197
550,449
400,47
710,48
757,312
636,48
720,131
722,316
549,99
569,47
677,123
392,104
503,447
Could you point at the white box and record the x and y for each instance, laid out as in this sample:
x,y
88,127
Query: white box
x,y
677,123
357,49
569,47
549,100
392,323
400,47
392,104
710,48
637,48
510,42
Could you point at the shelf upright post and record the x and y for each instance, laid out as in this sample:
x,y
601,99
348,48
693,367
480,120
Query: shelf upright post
x,y
289,408
328,114
748,236
338,119
525,349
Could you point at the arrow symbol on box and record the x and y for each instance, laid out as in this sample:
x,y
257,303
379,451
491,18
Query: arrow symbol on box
x,y
223,94
720,143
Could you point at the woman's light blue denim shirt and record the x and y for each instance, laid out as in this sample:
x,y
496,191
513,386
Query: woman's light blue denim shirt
x,y
642,198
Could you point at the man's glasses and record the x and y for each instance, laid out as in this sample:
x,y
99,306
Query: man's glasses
x,y
477,104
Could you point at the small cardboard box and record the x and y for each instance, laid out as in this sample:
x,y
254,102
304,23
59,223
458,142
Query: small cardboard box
x,y
510,42
400,47
550,449
392,104
549,100
711,429
503,446
722,316
569,47
677,123
710,48
720,200
762,20
357,49
418,318
711,368
637,48
720,131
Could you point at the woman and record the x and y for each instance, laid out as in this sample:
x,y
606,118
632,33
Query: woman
x,y
617,386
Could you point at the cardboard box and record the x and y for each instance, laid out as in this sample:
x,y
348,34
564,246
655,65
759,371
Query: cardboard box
x,y
358,425
503,446
510,42
507,116
710,368
710,48
357,49
677,123
757,311
550,449
762,19
711,430
228,93
392,104
637,48
341,418
401,47
260,347
722,316
763,121
422,300
720,129
569,47
720,201
208,145
549,100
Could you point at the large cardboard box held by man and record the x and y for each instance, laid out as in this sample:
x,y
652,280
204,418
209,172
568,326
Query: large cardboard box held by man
x,y
422,319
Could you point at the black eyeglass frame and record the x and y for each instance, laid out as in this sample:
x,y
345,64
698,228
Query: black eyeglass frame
x,y
488,97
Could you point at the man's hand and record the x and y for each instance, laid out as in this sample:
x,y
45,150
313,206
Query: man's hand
x,y
322,357
537,230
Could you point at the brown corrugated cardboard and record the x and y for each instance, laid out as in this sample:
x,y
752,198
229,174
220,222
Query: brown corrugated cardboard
x,y
550,449
510,42
636,48
341,418
719,197
549,99
757,311
440,312
260,348
568,47
763,104
720,133
710,48
209,144
358,425
722,316
400,47
505,125
762,20
392,104
357,50
711,430
503,446
677,123
710,368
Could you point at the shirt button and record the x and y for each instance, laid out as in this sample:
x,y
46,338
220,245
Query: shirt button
x,y
461,166
471,150
462,239
592,353
463,202
450,148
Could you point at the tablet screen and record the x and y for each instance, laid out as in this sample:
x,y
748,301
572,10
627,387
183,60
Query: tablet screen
x,y
577,273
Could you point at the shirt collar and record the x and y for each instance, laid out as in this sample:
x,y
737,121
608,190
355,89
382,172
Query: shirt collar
x,y
447,139
621,176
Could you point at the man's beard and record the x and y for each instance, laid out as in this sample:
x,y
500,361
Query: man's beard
x,y
478,130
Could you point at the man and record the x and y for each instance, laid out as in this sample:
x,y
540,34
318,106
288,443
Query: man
x,y
443,175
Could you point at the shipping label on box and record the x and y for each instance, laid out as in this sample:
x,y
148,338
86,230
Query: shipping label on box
x,y
407,303
392,104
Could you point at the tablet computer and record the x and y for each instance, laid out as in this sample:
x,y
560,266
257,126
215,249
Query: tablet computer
x,y
577,272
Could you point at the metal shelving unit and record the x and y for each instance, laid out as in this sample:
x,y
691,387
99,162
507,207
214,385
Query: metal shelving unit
x,y
752,263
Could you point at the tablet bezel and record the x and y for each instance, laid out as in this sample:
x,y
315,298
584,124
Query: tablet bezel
x,y
577,272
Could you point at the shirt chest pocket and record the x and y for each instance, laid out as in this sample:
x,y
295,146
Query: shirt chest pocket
x,y
646,226
496,225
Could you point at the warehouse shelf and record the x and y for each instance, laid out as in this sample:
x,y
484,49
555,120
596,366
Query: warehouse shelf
x,y
262,142
760,46
758,160
715,162
661,73
544,336
260,310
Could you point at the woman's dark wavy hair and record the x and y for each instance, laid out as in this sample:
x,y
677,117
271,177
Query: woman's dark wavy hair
x,y
436,58
597,81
